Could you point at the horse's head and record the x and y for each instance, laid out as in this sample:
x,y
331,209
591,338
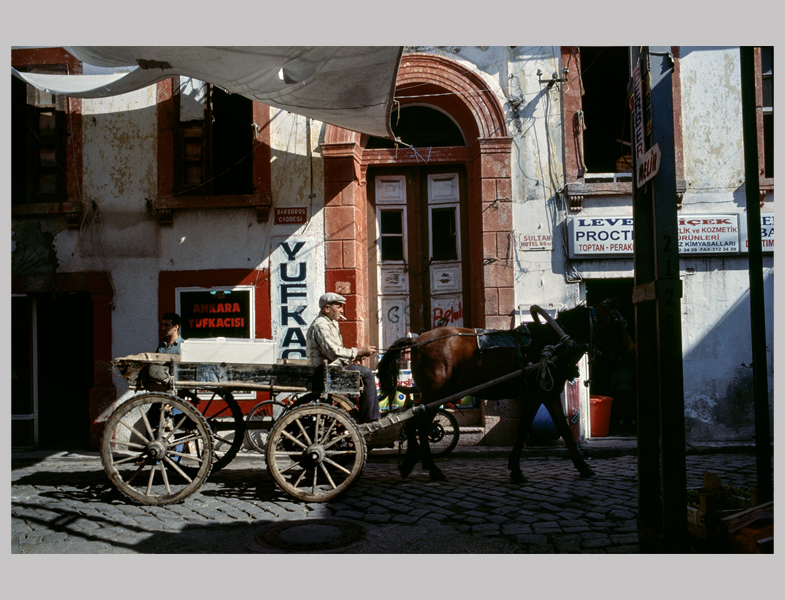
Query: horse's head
x,y
610,332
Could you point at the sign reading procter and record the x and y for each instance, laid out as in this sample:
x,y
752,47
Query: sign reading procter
x,y
600,235
698,234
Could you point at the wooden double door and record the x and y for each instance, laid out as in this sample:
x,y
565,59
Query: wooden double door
x,y
419,267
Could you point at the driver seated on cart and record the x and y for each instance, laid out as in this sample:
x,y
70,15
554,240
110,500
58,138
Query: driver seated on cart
x,y
324,342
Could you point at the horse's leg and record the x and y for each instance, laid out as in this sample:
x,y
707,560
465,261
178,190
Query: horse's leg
x,y
530,405
412,451
555,409
424,428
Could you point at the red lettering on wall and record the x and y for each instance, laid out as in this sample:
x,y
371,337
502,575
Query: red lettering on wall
x,y
224,307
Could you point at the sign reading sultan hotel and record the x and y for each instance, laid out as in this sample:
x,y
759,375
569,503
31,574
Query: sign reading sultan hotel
x,y
698,234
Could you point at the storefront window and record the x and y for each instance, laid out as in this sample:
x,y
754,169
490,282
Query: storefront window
x,y
216,312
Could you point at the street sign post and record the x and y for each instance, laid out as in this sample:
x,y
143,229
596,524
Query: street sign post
x,y
649,164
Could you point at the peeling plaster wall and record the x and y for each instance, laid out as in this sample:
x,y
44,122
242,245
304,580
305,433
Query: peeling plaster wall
x,y
534,123
533,116
120,235
716,337
715,307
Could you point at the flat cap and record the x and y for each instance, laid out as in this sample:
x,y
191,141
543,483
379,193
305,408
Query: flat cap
x,y
329,298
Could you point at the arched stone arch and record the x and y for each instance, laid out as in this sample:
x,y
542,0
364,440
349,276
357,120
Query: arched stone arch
x,y
450,86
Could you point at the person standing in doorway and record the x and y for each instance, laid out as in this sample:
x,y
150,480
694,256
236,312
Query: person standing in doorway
x,y
324,342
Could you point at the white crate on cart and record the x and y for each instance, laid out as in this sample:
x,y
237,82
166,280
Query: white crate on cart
x,y
223,350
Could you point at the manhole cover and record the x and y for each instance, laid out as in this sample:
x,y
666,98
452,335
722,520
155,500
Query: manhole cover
x,y
316,534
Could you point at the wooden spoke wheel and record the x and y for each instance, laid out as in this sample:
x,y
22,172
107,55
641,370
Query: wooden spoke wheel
x,y
443,434
227,424
315,452
260,421
157,448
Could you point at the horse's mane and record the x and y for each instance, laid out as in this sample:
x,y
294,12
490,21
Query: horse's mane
x,y
574,319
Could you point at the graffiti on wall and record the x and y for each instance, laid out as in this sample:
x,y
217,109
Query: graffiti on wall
x,y
447,312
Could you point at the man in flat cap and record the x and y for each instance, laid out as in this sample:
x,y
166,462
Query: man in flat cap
x,y
324,342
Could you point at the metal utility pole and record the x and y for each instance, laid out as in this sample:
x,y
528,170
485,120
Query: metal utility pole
x,y
662,487
757,309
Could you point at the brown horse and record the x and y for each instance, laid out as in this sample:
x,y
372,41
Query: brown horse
x,y
448,360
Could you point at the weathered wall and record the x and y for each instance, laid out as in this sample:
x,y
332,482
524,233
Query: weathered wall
x,y
122,236
715,307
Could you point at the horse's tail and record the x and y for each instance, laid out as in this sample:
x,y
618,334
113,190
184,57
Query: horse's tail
x,y
387,369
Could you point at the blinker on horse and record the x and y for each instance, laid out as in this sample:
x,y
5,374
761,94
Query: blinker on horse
x,y
449,360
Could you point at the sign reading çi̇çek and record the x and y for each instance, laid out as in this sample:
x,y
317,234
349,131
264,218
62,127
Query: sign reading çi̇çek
x,y
698,234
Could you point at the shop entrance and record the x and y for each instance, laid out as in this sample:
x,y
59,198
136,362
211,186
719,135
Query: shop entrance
x,y
608,377
420,226
65,370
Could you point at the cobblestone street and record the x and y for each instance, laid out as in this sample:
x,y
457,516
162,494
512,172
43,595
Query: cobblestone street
x,y
64,503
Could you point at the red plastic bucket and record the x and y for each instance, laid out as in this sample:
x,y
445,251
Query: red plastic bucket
x,y
600,415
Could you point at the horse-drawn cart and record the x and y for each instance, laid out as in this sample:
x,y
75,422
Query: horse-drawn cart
x,y
161,445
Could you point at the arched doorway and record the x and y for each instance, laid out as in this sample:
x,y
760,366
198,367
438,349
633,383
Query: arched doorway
x,y
424,227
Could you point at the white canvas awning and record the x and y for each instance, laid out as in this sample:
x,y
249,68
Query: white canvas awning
x,y
348,86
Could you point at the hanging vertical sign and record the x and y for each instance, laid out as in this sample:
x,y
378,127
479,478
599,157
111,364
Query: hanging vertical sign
x,y
637,112
647,161
293,293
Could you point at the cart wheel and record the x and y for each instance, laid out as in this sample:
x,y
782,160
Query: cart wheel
x,y
443,436
444,433
260,421
315,452
157,448
227,425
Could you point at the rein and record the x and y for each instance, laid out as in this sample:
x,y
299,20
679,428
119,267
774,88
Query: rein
x,y
426,342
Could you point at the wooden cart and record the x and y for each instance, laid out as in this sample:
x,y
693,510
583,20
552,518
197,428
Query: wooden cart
x,y
160,446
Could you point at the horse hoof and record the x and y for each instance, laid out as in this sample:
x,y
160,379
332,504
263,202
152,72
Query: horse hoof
x,y
517,478
438,475
587,472
404,469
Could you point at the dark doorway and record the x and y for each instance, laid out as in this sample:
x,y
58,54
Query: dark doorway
x,y
22,405
608,377
65,370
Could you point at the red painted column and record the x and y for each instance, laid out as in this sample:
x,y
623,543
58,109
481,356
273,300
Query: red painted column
x,y
346,237
493,280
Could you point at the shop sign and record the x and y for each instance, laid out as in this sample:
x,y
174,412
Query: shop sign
x,y
712,234
766,233
292,215
535,241
293,293
649,164
600,235
613,236
637,112
219,312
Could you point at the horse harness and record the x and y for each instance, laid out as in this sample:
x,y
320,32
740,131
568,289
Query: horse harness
x,y
518,339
